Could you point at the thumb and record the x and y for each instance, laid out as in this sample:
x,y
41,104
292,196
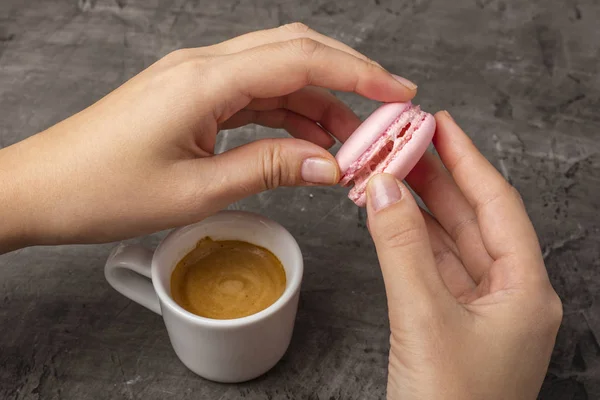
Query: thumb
x,y
267,164
411,278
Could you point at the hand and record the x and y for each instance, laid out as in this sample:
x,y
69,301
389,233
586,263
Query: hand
x,y
141,159
472,312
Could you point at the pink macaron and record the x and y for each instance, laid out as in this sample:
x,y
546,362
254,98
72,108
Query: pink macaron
x,y
392,140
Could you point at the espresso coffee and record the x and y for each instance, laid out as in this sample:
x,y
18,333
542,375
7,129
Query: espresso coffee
x,y
227,279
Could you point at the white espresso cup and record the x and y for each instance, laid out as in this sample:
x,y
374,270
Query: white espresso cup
x,y
233,350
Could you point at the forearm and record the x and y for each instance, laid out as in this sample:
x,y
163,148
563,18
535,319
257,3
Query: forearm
x,y
37,177
17,199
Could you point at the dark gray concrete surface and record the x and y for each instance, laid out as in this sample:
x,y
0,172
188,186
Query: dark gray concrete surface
x,y
522,77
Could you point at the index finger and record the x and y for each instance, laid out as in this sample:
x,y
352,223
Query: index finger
x,y
278,69
283,33
505,226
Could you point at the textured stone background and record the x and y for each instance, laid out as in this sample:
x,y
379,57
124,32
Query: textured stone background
x,y
522,77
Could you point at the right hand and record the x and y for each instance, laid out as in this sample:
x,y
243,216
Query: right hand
x,y
472,312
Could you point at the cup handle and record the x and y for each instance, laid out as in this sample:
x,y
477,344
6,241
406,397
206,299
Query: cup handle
x,y
127,270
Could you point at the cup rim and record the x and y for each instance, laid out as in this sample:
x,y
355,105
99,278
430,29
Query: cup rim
x,y
287,295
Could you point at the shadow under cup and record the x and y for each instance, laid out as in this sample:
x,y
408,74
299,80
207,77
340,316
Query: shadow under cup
x,y
233,350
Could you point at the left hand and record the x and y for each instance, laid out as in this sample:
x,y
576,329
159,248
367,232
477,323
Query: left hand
x,y
141,159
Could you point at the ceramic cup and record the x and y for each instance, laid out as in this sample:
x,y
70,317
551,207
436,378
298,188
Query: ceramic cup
x,y
233,350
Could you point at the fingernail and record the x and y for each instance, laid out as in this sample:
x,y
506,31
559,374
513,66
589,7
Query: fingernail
x,y
405,82
319,170
383,191
448,115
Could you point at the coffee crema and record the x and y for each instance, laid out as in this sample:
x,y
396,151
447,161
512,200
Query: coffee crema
x,y
227,279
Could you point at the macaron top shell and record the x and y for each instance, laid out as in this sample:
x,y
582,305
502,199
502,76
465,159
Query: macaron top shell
x,y
413,150
368,132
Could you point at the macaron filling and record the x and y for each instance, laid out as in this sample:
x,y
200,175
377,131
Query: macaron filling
x,y
379,154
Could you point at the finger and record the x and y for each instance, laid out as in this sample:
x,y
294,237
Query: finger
x,y
259,166
282,68
317,104
443,198
453,273
298,126
505,226
411,277
279,34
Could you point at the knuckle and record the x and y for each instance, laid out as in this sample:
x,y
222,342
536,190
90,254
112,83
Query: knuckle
x,y
306,46
547,311
370,65
175,76
187,70
373,63
461,227
500,192
401,235
178,56
272,166
296,27
432,181
555,307
184,58
516,195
